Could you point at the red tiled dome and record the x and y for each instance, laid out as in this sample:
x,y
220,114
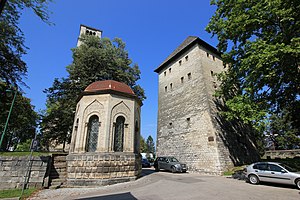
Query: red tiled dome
x,y
109,85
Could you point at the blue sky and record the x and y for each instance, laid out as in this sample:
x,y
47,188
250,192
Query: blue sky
x,y
150,29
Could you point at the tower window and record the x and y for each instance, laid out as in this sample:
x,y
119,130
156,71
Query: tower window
x,y
165,73
166,89
188,119
207,54
189,76
181,79
170,70
214,58
180,62
211,73
171,86
215,84
186,58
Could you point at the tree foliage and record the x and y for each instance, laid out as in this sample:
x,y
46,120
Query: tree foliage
x,y
150,145
13,69
23,120
143,145
147,146
95,60
12,47
260,41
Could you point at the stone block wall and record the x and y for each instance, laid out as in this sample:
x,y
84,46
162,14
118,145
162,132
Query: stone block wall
x,y
95,169
13,169
282,154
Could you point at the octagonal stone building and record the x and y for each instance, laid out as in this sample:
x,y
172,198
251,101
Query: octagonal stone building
x,y
104,147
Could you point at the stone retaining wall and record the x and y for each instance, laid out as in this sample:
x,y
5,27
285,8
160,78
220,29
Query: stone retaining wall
x,y
13,170
95,169
282,154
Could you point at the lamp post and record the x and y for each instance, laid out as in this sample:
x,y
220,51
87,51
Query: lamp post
x,y
7,119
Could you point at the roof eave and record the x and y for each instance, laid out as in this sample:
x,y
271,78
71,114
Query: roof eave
x,y
178,54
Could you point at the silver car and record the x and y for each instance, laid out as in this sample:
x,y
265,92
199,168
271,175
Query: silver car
x,y
169,163
272,172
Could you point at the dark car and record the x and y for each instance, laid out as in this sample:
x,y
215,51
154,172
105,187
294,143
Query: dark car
x,y
272,172
169,163
145,162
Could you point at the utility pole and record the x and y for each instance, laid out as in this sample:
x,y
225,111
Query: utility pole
x,y
7,119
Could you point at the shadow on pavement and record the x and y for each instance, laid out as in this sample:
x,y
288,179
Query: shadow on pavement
x,y
122,196
147,171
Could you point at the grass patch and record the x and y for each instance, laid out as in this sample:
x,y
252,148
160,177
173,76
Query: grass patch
x,y
11,193
231,171
24,153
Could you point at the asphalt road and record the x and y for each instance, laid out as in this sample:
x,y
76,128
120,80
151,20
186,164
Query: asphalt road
x,y
165,186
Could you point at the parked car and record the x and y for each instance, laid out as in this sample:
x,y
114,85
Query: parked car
x,y
145,162
272,172
169,163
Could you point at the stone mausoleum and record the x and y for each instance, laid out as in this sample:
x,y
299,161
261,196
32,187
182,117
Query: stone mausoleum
x,y
104,147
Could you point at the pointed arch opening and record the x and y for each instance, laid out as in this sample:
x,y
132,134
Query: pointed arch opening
x,y
119,134
92,134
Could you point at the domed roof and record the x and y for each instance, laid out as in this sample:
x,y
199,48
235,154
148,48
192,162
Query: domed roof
x,y
109,85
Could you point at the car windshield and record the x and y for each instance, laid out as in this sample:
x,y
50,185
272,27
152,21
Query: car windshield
x,y
288,168
173,160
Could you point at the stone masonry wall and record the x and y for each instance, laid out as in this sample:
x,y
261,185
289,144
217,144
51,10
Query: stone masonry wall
x,y
189,125
13,170
185,128
95,169
282,154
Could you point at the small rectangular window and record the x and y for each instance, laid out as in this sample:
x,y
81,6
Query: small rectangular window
x,y
189,76
166,89
207,54
214,58
165,73
171,86
170,70
215,84
180,62
186,58
211,73
181,79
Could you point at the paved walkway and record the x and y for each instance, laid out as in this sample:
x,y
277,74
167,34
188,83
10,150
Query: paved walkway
x,y
165,186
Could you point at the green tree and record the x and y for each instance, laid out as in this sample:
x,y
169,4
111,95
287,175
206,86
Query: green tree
x,y
13,69
95,60
260,41
283,133
23,119
143,145
150,145
12,47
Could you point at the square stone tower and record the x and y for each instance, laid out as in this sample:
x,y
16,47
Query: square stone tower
x,y
85,30
189,125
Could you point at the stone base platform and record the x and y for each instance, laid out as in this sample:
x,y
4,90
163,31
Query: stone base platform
x,y
98,169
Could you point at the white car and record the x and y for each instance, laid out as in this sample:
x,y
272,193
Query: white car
x,y
272,172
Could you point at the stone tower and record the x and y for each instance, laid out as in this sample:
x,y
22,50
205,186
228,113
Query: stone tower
x,y
189,125
104,147
85,30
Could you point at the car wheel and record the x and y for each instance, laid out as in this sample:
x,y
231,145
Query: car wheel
x,y
253,179
173,169
157,169
298,183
